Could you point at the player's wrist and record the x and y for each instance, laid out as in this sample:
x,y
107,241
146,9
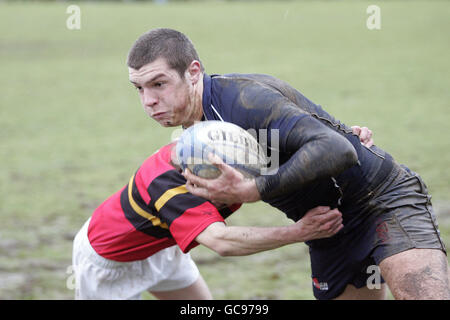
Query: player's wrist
x,y
297,232
248,191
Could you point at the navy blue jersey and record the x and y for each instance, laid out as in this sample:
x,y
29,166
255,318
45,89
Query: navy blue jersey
x,y
321,161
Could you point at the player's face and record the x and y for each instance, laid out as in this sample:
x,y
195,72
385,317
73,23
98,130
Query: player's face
x,y
165,96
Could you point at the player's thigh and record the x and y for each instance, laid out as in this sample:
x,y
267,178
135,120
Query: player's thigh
x,y
364,293
196,291
417,274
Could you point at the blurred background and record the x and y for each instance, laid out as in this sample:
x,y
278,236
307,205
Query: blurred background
x,y
73,131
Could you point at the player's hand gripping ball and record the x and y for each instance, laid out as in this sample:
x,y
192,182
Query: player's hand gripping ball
x,y
235,146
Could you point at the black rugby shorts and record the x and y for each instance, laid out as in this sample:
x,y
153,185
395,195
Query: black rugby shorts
x,y
398,217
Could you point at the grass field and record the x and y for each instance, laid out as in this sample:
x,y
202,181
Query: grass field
x,y
73,131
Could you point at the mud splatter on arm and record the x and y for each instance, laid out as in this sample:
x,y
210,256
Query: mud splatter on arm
x,y
318,152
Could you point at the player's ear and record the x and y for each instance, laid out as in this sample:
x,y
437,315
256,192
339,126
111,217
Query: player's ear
x,y
194,71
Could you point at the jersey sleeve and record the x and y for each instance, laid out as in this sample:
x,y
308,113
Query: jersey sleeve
x,y
185,214
254,105
191,223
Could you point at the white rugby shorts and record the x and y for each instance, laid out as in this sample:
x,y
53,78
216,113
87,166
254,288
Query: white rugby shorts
x,y
103,279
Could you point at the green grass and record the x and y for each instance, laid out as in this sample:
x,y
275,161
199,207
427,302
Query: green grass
x,y
73,130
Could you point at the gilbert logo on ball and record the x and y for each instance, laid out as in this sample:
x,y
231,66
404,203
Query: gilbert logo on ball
x,y
235,146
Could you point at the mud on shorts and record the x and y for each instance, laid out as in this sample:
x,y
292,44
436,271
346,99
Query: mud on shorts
x,y
398,217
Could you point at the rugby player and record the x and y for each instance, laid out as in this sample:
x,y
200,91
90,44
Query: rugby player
x,y
387,213
139,238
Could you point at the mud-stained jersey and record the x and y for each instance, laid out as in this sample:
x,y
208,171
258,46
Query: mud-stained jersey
x,y
152,212
321,161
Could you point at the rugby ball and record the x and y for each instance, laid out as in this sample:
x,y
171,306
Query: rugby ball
x,y
234,145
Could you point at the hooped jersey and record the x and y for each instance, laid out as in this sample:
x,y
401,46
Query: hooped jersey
x,y
152,212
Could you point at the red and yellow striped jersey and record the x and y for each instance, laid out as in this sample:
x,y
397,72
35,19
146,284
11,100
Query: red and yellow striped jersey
x,y
152,212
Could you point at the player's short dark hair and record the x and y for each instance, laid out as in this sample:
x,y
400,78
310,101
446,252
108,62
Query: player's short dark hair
x,y
172,45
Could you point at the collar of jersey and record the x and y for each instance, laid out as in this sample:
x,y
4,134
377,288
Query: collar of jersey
x,y
208,113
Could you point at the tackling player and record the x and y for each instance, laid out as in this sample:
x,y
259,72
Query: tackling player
x,y
139,238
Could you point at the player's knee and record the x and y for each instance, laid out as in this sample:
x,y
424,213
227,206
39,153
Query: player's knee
x,y
422,284
417,274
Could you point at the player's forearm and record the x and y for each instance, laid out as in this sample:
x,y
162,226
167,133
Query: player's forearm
x,y
240,241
